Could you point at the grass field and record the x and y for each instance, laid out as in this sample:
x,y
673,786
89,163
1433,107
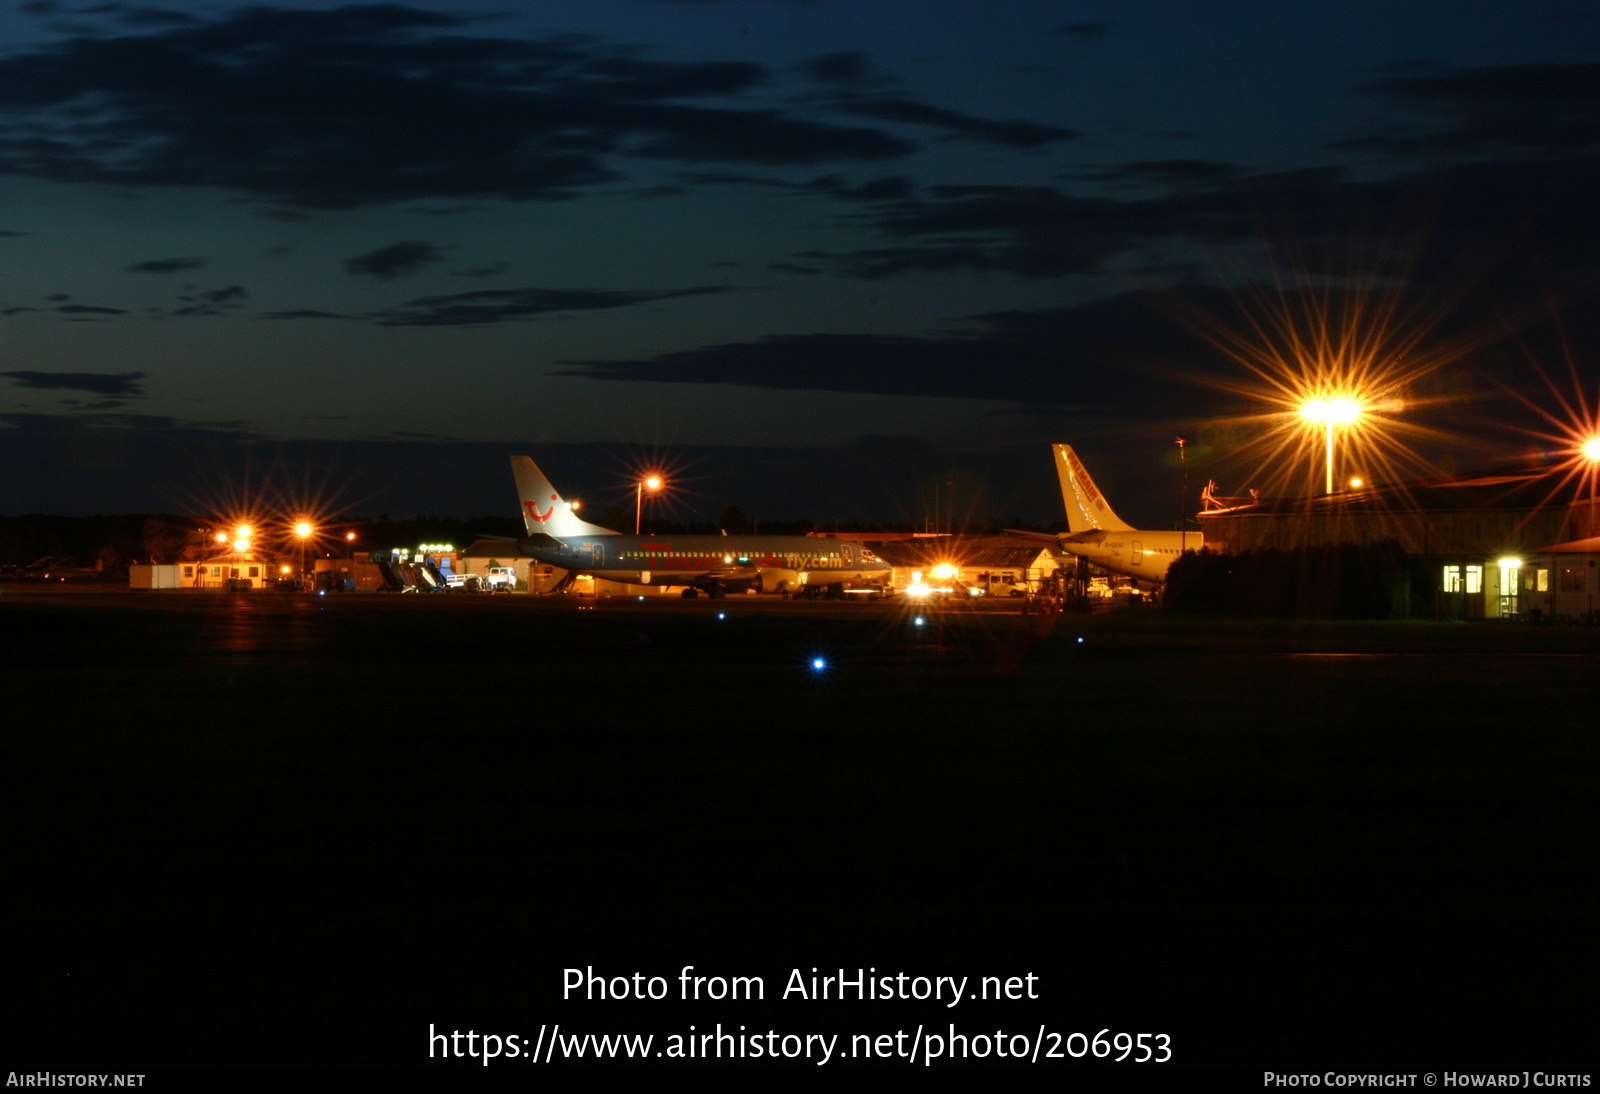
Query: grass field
x,y
259,829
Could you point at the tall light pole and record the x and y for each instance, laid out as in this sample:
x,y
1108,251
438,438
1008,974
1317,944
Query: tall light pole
x,y
1183,496
1329,413
654,483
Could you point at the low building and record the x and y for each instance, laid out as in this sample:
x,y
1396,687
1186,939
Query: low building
x,y
1476,531
998,565
1566,586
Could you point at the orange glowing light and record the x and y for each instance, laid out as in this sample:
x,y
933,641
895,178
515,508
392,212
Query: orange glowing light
x,y
1339,344
1356,483
303,529
222,537
1591,449
1340,411
653,482
350,536
243,531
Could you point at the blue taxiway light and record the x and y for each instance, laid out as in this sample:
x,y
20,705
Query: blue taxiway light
x,y
722,615
818,664
917,621
1080,640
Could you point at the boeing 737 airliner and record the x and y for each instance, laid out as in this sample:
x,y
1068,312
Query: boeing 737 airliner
x,y
1099,535
710,564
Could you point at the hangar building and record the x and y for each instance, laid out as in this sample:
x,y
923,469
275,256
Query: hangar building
x,y
1491,538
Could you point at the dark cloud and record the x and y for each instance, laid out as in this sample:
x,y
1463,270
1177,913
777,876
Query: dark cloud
x,y
1531,108
1176,172
13,235
384,103
503,305
883,189
1524,219
214,302
88,309
1101,356
166,265
1014,134
1026,231
303,313
891,188
837,67
142,17
395,260
1088,30
124,384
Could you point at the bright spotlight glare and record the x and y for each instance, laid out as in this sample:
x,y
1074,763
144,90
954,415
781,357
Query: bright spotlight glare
x,y
241,545
944,571
1331,411
243,531
1591,449
653,482
222,537
303,529
818,664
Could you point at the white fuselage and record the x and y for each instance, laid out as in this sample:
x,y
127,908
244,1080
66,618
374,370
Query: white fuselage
x,y
767,563
1138,554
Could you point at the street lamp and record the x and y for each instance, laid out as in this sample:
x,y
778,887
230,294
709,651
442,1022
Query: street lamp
x,y
302,532
1329,413
653,483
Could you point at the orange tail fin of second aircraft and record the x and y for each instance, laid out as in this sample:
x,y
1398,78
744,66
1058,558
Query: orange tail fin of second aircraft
x,y
1087,508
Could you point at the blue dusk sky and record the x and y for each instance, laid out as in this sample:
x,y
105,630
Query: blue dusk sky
x,y
819,255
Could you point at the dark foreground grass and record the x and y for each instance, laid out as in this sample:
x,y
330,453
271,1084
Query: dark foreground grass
x,y
252,830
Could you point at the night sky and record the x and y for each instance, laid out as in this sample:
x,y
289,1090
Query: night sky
x,y
815,255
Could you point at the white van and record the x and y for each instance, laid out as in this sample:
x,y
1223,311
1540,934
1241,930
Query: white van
x,y
501,579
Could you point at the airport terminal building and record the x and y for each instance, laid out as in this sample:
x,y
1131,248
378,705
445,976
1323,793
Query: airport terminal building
x,y
1505,542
